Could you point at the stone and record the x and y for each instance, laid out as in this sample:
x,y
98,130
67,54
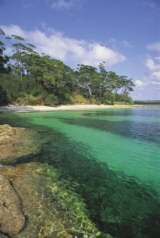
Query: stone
x,y
3,236
16,143
12,219
47,203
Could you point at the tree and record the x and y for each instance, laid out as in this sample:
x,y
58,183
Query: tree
x,y
3,59
20,50
126,85
87,77
52,74
3,97
54,80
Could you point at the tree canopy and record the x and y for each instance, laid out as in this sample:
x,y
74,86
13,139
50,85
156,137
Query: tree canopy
x,y
42,79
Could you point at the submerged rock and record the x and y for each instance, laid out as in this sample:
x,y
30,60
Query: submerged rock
x,y
15,143
11,218
51,208
3,236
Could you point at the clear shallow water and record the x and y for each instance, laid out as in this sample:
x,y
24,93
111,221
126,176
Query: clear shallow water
x,y
128,140
110,158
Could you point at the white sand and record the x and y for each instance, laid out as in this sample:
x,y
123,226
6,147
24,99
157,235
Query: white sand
x,y
15,108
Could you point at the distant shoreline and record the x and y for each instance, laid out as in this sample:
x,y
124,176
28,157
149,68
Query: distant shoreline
x,y
29,108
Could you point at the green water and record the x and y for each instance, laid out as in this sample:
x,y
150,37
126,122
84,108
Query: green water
x,y
133,149
111,158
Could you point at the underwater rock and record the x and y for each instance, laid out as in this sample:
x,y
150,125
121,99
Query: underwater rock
x,y
11,218
50,208
16,142
3,236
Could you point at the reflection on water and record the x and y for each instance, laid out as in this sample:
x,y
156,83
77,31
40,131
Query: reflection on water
x,y
145,112
132,129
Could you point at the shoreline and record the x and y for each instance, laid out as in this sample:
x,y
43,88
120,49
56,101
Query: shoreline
x,y
76,107
16,108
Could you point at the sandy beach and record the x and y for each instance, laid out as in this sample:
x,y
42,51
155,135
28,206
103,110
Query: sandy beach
x,y
16,108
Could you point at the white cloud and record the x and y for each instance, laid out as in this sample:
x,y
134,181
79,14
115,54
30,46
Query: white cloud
x,y
67,4
156,75
154,46
139,83
151,65
155,83
13,29
68,49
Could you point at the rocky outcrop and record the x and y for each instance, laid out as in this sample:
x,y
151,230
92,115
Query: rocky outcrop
x,y
11,218
15,143
52,210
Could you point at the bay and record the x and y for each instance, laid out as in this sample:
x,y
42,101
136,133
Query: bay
x,y
128,140
111,158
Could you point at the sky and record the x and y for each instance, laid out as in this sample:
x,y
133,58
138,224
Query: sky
x,y
125,34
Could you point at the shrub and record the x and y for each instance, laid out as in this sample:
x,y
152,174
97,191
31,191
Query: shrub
x,y
51,100
78,99
124,98
3,97
108,98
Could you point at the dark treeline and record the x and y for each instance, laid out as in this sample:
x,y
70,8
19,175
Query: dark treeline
x,y
152,102
26,77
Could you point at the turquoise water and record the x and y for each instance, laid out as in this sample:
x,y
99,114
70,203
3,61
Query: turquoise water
x,y
128,140
111,158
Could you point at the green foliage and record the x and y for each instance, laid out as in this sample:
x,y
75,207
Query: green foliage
x,y
78,99
108,98
124,98
153,102
11,86
3,59
3,97
51,100
51,82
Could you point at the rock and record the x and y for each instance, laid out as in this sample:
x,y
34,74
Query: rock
x,y
16,142
50,208
3,236
11,218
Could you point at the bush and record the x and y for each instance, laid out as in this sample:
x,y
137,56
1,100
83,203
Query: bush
x,y
12,86
124,98
51,100
78,99
3,97
108,98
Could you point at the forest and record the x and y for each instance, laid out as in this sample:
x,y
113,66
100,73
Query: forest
x,y
30,78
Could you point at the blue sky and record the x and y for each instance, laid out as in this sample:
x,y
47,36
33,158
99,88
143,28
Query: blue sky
x,y
123,33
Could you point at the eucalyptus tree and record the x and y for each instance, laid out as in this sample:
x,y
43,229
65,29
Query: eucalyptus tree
x,y
20,49
109,83
127,84
3,59
87,78
51,74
